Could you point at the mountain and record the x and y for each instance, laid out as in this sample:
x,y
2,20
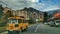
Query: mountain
x,y
52,12
31,9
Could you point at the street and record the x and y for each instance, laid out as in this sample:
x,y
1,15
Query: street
x,y
40,28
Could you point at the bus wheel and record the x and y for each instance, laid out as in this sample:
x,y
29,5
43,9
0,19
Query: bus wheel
x,y
21,29
9,32
26,28
18,32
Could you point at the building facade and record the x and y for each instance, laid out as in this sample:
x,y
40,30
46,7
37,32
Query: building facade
x,y
26,13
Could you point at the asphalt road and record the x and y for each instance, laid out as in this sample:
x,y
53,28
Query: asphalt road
x,y
40,28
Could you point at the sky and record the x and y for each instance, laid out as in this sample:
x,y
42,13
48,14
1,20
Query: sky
x,y
42,5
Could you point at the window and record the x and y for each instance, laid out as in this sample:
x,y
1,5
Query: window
x,y
25,21
9,21
57,21
12,21
19,20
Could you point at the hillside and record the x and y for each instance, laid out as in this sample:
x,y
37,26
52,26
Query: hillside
x,y
52,12
32,9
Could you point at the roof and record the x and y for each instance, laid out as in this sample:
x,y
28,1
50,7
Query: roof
x,y
57,15
16,17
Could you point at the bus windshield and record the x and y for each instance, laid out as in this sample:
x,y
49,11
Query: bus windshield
x,y
12,21
25,21
20,20
16,21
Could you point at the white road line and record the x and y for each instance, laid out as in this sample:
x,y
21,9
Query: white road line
x,y
37,28
31,25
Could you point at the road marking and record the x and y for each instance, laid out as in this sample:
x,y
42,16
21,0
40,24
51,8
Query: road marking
x,y
37,28
58,32
31,25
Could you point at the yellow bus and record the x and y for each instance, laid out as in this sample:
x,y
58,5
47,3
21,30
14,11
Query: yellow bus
x,y
17,24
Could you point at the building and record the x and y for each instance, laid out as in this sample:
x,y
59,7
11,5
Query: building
x,y
6,9
20,13
27,14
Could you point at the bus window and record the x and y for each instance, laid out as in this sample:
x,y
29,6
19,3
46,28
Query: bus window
x,y
20,20
13,21
9,21
25,21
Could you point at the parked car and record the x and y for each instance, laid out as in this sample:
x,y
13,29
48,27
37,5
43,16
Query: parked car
x,y
57,22
52,23
45,23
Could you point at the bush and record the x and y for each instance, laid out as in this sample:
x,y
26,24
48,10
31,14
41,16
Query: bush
x,y
2,24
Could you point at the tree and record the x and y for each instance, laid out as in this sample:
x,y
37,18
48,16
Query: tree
x,y
45,16
6,15
31,21
1,11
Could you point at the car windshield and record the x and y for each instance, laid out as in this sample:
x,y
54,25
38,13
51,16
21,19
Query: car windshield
x,y
57,21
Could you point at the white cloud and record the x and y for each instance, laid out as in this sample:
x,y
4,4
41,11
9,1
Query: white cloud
x,y
34,1
55,7
19,4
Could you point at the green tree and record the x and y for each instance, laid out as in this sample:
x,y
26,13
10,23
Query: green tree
x,y
31,21
1,11
5,16
45,16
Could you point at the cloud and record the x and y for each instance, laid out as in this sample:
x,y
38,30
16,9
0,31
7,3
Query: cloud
x,y
19,4
55,7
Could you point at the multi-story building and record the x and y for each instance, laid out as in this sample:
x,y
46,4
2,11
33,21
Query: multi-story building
x,y
36,15
20,13
6,9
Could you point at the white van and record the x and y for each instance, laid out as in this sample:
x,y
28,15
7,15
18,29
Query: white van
x,y
57,22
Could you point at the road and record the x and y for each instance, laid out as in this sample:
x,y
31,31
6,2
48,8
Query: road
x,y
40,28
